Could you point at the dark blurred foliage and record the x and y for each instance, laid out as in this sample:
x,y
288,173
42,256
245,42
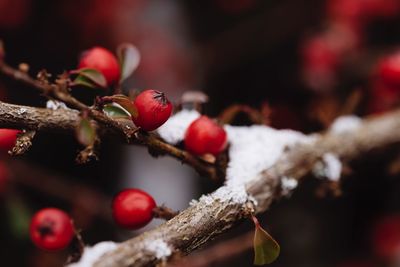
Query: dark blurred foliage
x,y
237,51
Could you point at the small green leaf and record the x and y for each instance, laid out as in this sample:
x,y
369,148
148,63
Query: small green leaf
x,y
19,217
83,81
115,112
129,58
124,102
89,78
86,134
266,249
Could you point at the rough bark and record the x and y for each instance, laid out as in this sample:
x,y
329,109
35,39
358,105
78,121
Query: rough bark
x,y
203,221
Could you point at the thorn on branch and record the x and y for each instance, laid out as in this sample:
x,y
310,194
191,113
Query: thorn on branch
x,y
163,212
23,143
228,115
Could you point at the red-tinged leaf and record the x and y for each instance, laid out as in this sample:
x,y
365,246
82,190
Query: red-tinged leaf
x,y
129,58
124,102
90,78
86,134
266,249
116,112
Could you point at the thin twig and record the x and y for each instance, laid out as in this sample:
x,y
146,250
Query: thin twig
x,y
128,130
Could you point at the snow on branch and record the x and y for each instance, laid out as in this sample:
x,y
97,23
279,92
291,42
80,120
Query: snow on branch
x,y
293,156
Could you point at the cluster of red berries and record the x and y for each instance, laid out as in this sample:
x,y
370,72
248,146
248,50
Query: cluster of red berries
x,y
323,53
52,229
152,106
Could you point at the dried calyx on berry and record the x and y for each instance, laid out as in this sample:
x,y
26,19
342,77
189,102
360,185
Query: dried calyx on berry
x,y
51,229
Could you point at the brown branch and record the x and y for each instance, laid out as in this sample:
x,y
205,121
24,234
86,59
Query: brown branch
x,y
59,92
210,216
218,252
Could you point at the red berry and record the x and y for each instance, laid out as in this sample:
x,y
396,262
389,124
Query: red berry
x,y
205,136
386,237
104,61
153,108
51,229
7,139
389,69
133,208
382,97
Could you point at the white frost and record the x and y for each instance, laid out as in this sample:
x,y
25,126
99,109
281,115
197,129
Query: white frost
x,y
252,149
159,248
54,105
345,124
288,184
236,194
333,166
173,131
92,254
256,148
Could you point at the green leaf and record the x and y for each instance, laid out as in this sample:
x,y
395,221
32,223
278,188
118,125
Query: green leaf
x,y
129,58
86,134
83,81
89,78
266,249
19,217
124,102
115,112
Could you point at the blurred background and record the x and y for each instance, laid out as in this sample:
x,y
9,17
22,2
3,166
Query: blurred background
x,y
301,62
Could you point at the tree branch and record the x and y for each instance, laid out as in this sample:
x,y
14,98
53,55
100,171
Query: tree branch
x,y
213,215
126,129
66,120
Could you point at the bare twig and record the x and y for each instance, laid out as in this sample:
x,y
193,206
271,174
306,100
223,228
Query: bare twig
x,y
59,92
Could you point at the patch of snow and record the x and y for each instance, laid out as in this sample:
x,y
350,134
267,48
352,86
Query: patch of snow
x,y
256,148
333,166
236,194
330,167
173,131
252,149
22,111
345,124
54,105
288,184
159,247
92,254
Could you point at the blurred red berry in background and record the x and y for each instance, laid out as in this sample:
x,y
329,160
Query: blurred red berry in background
x,y
7,139
4,176
386,237
13,13
389,69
